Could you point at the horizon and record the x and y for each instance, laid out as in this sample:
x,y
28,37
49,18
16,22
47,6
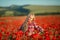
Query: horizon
x,y
30,2
29,5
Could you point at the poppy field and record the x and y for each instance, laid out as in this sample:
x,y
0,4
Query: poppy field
x,y
9,28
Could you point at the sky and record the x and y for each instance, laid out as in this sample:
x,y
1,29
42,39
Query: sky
x,y
31,2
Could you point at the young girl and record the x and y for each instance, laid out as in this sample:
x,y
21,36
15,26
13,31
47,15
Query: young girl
x,y
32,25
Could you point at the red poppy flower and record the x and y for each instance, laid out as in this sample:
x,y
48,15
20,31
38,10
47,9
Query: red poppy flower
x,y
47,38
3,29
46,33
17,38
45,26
20,33
54,38
7,33
40,37
0,36
35,35
26,33
59,37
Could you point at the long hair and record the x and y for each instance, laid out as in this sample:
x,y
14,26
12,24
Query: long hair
x,y
24,26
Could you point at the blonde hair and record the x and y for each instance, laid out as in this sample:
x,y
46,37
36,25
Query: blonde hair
x,y
31,16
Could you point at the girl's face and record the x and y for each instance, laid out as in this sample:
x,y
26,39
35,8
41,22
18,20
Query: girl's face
x,y
31,18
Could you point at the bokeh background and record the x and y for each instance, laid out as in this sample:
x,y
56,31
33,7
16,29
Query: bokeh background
x,y
13,15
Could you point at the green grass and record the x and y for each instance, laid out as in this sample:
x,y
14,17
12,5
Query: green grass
x,y
43,9
36,9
